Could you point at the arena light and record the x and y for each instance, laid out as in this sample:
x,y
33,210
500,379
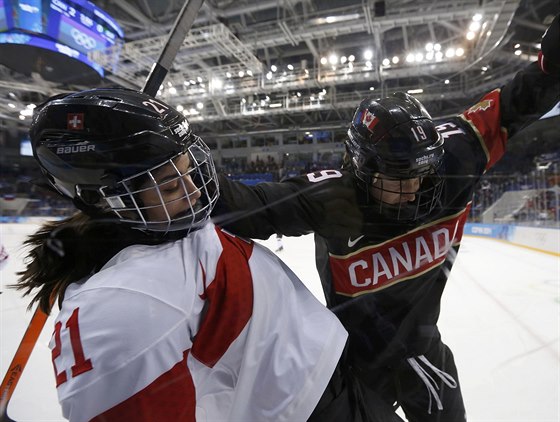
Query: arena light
x,y
334,19
474,26
217,83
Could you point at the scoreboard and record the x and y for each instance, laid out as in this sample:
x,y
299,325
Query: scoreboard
x,y
70,27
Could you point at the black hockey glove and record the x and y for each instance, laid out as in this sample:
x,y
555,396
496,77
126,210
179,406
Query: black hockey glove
x,y
549,56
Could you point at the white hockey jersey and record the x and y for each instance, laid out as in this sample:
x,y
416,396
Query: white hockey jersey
x,y
207,328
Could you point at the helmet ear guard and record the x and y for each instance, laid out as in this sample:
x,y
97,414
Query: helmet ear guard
x,y
89,195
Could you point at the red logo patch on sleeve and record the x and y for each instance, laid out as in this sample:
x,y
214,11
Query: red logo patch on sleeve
x,y
481,106
75,121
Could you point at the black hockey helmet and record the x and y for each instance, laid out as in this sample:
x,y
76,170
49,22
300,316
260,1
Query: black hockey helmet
x,y
95,147
395,138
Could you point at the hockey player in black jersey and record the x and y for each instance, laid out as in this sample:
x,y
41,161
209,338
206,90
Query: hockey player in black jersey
x,y
389,225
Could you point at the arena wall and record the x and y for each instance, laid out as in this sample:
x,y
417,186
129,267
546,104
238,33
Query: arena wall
x,y
539,238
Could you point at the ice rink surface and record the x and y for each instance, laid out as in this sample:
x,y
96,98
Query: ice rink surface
x,y
500,315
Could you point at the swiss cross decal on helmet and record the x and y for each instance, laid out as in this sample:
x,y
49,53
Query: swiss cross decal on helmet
x,y
75,121
97,147
395,138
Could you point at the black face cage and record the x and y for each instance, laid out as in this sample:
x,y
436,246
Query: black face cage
x,y
427,197
125,201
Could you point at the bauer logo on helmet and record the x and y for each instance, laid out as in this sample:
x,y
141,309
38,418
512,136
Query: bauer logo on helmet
x,y
74,149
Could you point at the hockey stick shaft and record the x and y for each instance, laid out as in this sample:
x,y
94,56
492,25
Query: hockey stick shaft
x,y
182,26
23,352
159,71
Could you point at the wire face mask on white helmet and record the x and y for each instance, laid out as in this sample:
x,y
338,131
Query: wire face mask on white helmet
x,y
396,154
121,151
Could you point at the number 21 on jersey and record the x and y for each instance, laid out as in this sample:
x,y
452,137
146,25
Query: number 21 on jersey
x,y
81,363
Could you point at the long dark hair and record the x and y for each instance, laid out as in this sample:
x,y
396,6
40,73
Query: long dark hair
x,y
63,252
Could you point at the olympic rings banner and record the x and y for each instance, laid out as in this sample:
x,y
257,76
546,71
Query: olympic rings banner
x,y
78,24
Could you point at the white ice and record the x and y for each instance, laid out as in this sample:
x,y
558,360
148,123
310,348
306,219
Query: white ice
x,y
500,315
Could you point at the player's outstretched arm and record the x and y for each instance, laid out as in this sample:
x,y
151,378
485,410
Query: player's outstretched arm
x,y
323,202
505,111
535,89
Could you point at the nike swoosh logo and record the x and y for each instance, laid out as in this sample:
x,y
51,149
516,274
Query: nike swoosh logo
x,y
351,242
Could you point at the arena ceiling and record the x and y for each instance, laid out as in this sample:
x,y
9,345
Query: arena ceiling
x,y
251,66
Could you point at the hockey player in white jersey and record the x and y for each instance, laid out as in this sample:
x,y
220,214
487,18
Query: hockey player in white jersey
x,y
164,316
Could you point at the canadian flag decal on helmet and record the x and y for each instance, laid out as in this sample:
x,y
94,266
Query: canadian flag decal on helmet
x,y
369,120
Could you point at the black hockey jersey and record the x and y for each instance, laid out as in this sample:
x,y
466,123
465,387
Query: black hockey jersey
x,y
385,280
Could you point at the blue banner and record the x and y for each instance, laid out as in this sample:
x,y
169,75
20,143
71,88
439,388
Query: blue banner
x,y
496,231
